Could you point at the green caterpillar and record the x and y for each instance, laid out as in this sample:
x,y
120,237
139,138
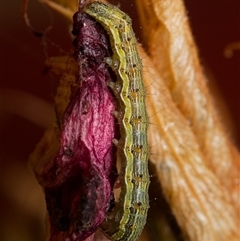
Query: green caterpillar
x,y
128,218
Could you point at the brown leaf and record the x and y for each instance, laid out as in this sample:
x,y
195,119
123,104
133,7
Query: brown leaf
x,y
194,193
176,60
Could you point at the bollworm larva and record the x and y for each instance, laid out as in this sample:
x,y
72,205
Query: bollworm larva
x,y
128,218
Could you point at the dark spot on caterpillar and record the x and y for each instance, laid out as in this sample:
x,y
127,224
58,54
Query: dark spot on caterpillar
x,y
132,210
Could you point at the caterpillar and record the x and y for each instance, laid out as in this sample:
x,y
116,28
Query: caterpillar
x,y
128,217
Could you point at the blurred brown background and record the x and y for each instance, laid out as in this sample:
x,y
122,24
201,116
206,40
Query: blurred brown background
x,y
26,95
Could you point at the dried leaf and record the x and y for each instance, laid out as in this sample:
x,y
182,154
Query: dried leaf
x,y
168,41
194,193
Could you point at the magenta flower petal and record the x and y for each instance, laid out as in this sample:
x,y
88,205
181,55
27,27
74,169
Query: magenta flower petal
x,y
79,185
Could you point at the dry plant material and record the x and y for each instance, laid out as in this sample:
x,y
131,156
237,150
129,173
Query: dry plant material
x,y
177,62
78,181
194,193
196,164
